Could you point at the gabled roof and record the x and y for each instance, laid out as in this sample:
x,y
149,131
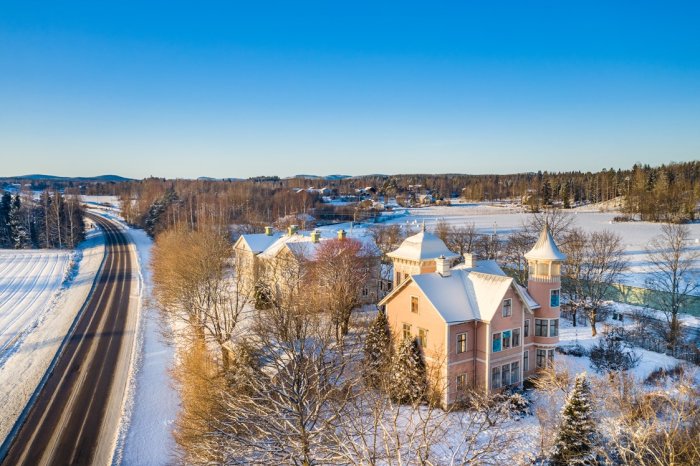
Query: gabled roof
x,y
545,248
422,246
464,295
258,242
301,245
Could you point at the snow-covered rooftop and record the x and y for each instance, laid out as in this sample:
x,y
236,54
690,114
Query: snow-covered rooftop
x,y
258,242
465,294
302,245
422,246
545,248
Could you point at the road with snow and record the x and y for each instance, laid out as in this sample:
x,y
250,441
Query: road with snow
x,y
75,417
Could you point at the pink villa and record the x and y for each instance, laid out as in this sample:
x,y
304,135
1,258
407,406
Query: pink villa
x,y
477,326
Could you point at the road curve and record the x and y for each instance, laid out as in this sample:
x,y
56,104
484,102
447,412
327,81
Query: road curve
x,y
70,420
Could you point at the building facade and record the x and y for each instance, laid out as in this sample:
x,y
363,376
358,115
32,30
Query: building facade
x,y
477,327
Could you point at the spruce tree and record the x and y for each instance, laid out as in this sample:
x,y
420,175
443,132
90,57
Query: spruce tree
x,y
577,432
408,376
5,207
377,350
18,231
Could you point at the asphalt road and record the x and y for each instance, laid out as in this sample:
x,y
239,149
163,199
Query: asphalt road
x,y
70,419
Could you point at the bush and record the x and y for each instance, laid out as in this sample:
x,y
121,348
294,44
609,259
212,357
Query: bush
x,y
576,350
660,374
613,354
622,218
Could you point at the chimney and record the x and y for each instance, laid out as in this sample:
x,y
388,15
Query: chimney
x,y
442,266
470,260
268,231
341,234
315,236
292,230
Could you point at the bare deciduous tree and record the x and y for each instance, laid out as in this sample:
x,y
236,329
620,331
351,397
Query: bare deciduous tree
x,y
341,269
673,271
195,282
596,264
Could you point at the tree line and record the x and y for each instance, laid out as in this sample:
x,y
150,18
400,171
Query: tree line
x,y
51,221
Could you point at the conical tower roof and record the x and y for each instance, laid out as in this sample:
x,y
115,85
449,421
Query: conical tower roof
x,y
545,248
422,246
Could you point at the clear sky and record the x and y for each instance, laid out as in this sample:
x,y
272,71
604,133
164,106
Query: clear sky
x,y
237,89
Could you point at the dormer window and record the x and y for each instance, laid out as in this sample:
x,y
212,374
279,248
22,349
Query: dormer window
x,y
507,307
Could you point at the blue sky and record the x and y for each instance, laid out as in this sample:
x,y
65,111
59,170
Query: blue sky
x,y
228,89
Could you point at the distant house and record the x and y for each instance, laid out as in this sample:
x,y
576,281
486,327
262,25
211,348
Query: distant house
x,y
277,259
477,326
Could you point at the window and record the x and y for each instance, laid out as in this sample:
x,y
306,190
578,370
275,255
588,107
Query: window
x,y
550,356
414,304
461,382
515,372
505,375
541,358
507,307
496,345
526,329
554,328
365,291
506,339
540,327
423,337
526,361
406,331
496,377
554,298
461,343
516,337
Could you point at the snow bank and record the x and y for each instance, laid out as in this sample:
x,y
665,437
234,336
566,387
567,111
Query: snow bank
x,y
152,402
30,358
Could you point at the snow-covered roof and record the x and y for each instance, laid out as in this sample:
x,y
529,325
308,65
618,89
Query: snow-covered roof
x,y
529,300
301,245
465,294
422,246
258,242
545,248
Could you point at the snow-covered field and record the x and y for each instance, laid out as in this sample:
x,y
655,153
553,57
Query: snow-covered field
x,y
55,288
505,219
29,282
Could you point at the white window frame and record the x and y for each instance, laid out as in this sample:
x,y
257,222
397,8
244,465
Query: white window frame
x,y
553,326
526,361
509,307
512,338
406,327
496,379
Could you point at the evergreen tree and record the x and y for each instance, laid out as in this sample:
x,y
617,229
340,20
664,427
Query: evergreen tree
x,y
408,377
377,350
18,231
577,431
5,206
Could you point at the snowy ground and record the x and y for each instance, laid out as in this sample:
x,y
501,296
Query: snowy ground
x,y
152,401
505,219
29,282
33,328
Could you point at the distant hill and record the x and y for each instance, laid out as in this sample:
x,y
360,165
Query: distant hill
x,y
80,179
317,177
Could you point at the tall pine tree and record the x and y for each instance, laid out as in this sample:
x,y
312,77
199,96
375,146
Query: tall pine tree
x,y
408,373
18,232
577,431
377,350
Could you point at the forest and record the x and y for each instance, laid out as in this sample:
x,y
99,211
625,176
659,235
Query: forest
x,y
664,193
50,221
